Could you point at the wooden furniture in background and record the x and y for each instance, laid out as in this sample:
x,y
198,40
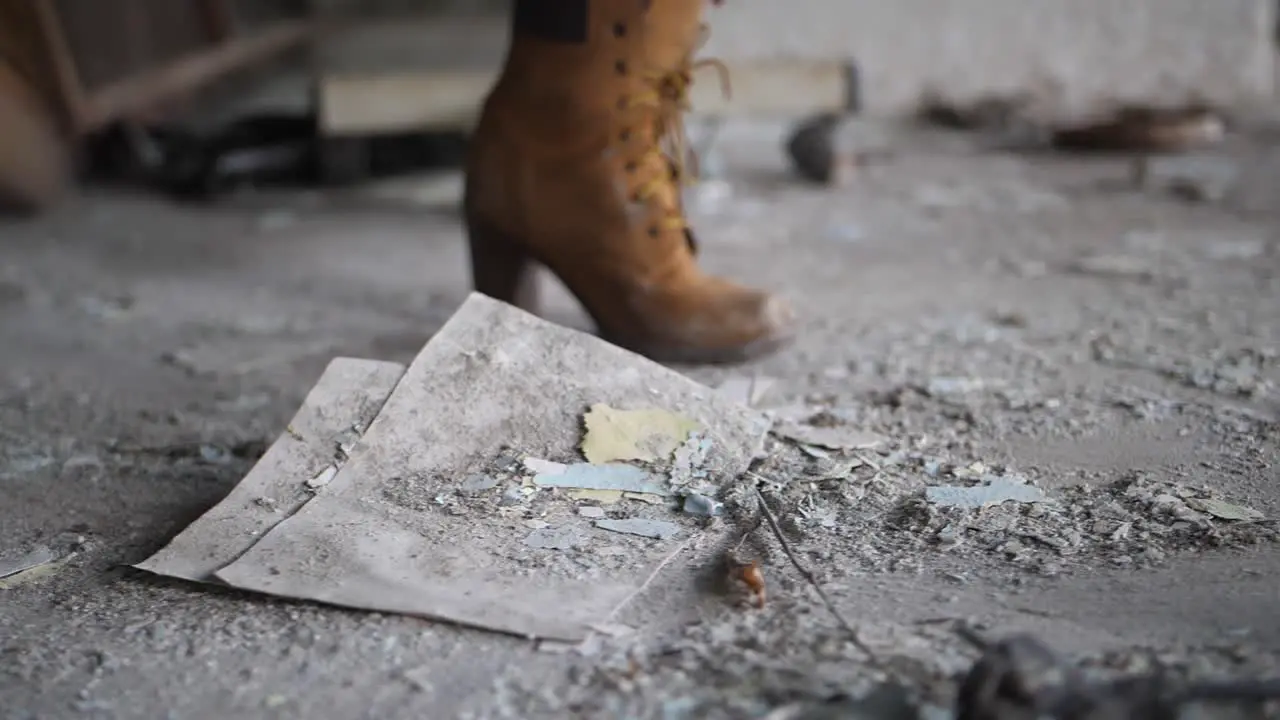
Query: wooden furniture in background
x,y
118,58
93,62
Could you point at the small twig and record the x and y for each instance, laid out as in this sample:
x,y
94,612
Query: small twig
x,y
812,579
653,574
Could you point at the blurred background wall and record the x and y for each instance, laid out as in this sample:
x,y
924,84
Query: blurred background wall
x,y
1079,51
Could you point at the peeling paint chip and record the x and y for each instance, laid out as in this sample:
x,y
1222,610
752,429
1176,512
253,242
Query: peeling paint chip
x,y
645,435
995,492
586,476
1224,510
27,561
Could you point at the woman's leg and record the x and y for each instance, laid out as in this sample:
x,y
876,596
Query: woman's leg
x,y
567,169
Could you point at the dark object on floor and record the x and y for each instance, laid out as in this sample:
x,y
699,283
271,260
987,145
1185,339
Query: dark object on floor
x,y
262,150
986,113
1020,678
813,151
257,150
1143,129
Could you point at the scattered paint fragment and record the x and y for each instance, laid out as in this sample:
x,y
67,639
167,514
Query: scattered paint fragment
x,y
591,511
513,495
323,478
28,561
690,460
1114,266
815,453
997,490
942,386
645,435
34,565
604,497
1224,510
647,498
697,504
656,529
562,538
213,454
475,484
589,476
831,438
538,466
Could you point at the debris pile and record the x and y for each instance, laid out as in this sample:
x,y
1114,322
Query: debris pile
x,y
518,477
1133,521
790,667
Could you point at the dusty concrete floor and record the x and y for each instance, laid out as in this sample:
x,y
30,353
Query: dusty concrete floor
x,y
1115,347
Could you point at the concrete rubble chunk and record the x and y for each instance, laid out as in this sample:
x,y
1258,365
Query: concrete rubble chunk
x,y
392,533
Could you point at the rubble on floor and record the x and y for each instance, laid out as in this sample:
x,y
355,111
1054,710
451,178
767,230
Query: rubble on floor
x,y
454,488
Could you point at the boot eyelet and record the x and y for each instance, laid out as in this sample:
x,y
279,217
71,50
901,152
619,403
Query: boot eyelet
x,y
619,30
620,67
625,135
654,231
631,167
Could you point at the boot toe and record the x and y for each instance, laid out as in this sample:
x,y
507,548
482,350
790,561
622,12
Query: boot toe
x,y
724,324
763,323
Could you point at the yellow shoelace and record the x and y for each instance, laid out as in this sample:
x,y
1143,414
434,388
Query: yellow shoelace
x,y
668,96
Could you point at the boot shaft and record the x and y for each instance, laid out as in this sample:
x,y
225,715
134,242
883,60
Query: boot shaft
x,y
589,55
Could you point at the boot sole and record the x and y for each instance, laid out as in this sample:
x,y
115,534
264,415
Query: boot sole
x,y
503,270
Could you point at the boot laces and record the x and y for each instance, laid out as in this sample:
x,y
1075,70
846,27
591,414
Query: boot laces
x,y
668,97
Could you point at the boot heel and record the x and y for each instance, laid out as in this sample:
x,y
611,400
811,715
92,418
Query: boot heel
x,y
502,270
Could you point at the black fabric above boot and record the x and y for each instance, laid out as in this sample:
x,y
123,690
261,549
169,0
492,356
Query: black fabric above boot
x,y
561,21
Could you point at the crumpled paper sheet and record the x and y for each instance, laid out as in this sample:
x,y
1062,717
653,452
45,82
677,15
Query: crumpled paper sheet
x,y
387,532
345,400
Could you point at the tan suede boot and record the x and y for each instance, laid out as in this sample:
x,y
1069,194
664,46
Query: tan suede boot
x,y
571,166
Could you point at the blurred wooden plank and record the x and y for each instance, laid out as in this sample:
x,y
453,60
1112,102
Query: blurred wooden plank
x,y
146,89
411,45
